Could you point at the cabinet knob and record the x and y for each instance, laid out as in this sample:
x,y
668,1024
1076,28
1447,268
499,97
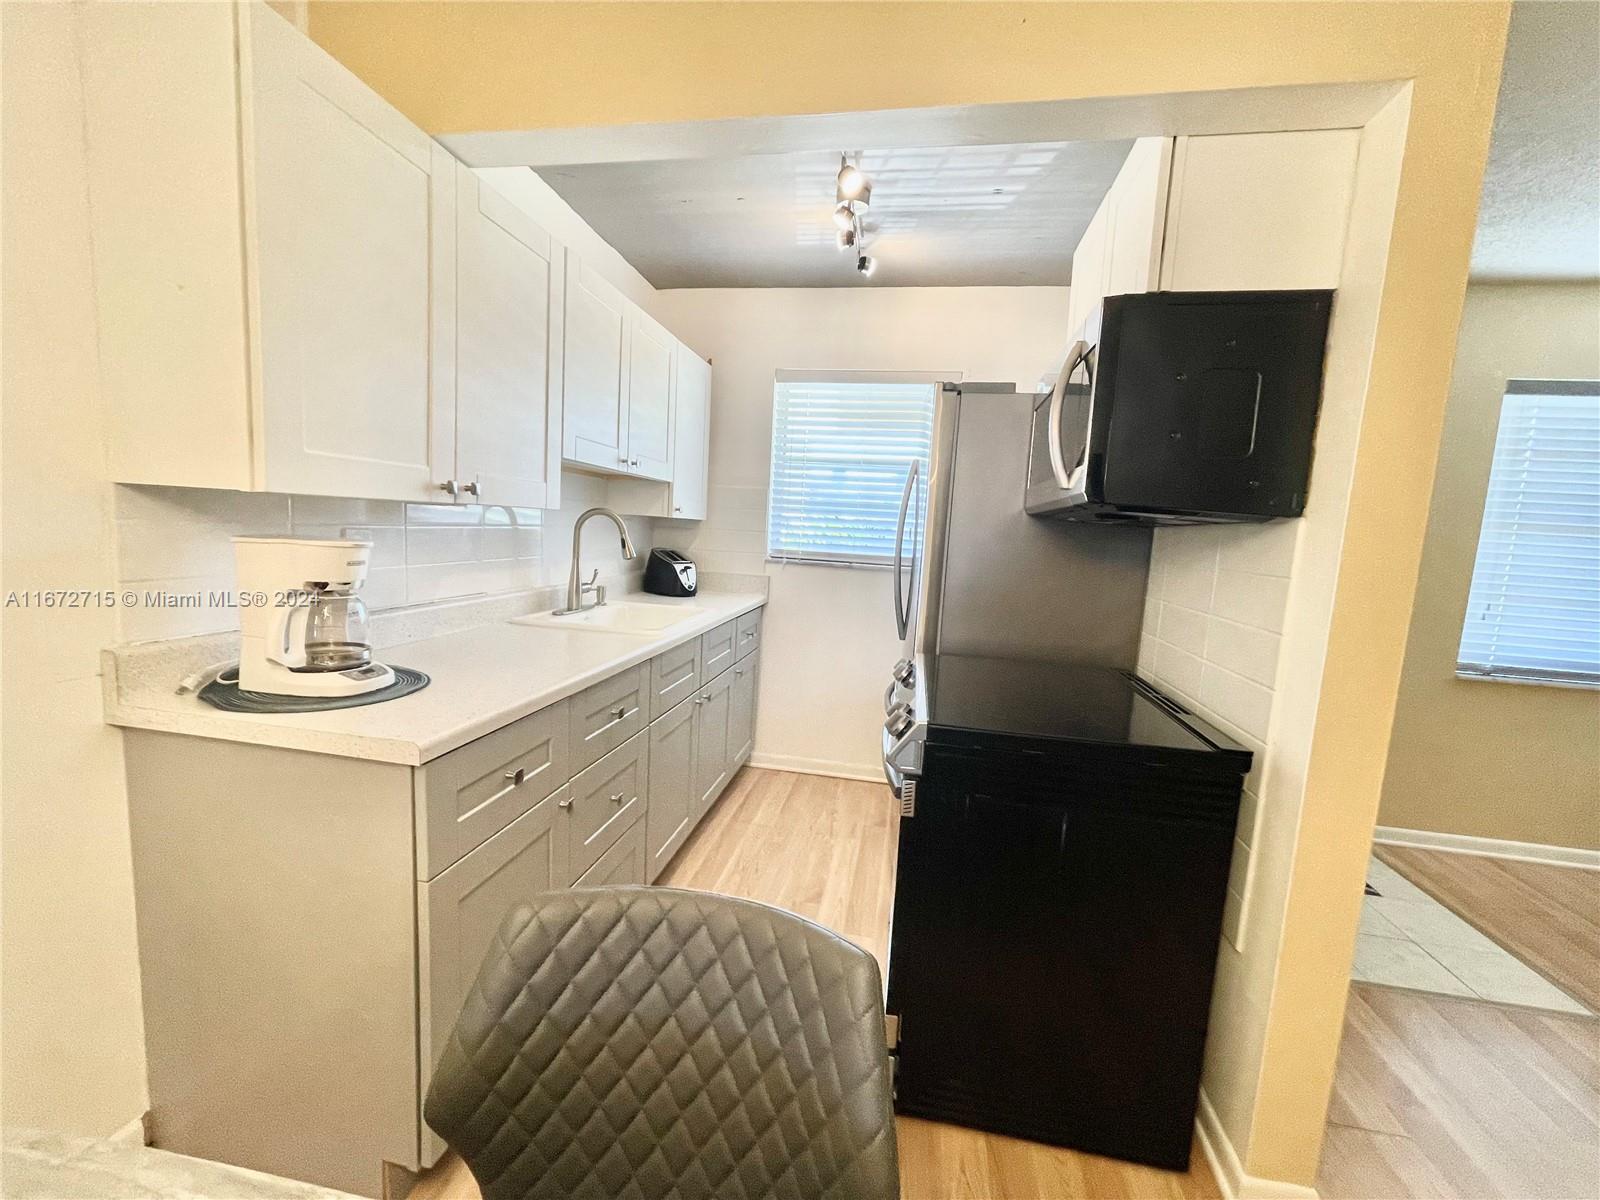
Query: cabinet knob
x,y
623,460
677,508
449,487
738,670
470,489
518,776
617,799
564,802
620,712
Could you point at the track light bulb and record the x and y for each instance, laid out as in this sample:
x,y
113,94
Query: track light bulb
x,y
846,238
866,264
851,180
843,216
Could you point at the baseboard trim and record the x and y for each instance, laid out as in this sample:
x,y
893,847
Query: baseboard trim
x,y
817,766
1229,1171
1460,843
135,1133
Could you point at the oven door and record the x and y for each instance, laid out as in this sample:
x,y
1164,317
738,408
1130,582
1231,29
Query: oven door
x,y
1058,452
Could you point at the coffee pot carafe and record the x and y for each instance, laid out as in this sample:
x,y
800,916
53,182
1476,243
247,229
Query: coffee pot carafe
x,y
303,626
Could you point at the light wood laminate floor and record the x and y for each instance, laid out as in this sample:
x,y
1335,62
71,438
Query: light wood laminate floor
x,y
825,848
1547,916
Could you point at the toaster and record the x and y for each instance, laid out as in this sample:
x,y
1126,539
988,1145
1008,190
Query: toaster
x,y
668,573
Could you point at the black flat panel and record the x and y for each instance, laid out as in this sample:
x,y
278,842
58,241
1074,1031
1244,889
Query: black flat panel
x,y
1056,925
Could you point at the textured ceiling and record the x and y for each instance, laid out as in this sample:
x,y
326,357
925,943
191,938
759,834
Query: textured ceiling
x,y
1540,217
956,216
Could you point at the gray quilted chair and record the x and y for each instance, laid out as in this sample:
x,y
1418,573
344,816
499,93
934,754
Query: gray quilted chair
x,y
657,1044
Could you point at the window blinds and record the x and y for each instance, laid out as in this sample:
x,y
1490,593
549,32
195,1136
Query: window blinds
x,y
841,446
1534,609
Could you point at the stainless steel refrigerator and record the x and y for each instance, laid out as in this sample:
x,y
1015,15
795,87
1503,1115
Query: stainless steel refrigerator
x,y
975,575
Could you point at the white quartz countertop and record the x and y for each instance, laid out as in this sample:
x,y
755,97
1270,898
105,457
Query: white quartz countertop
x,y
482,679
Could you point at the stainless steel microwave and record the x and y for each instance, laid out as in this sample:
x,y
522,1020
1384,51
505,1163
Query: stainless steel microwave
x,y
1181,408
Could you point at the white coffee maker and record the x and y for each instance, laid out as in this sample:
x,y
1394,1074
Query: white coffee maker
x,y
303,628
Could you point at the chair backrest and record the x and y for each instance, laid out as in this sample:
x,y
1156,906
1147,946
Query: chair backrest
x,y
659,1044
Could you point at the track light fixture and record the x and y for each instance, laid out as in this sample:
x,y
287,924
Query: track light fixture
x,y
852,193
851,181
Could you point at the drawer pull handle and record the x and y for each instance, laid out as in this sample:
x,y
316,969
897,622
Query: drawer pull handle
x,y
617,799
564,802
738,670
518,776
620,713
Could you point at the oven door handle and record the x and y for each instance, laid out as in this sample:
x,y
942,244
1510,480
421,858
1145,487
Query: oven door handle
x,y
1058,402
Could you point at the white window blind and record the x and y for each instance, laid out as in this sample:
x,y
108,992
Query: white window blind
x,y
842,443
1534,609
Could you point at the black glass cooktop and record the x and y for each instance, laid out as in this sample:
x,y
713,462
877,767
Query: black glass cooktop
x,y
1063,702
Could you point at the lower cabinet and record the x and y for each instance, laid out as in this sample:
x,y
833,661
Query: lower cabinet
x,y
670,817
742,712
605,800
623,863
713,706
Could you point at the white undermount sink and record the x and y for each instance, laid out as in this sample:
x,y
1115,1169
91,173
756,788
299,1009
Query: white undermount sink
x,y
642,620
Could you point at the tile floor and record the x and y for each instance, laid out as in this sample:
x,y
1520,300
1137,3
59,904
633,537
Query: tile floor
x,y
1409,940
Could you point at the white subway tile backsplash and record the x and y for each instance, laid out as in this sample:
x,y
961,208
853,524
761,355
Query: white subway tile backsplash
x,y
1183,627
1249,599
1266,549
1179,670
177,540
1236,699
1252,653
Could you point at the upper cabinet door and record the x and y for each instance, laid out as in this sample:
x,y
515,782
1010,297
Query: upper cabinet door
x,y
1259,210
1089,269
1138,201
349,205
651,350
691,430
509,277
595,374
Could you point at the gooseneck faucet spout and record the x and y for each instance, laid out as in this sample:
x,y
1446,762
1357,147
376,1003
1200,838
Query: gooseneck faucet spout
x,y
575,585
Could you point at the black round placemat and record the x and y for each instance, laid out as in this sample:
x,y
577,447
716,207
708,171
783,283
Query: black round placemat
x,y
226,694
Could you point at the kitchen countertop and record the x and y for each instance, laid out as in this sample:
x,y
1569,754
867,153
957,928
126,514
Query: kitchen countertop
x,y
483,678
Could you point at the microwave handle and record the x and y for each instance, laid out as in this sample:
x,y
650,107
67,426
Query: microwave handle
x,y
1058,401
902,605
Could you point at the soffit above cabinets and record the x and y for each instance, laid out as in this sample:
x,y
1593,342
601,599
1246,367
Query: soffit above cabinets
x,y
960,215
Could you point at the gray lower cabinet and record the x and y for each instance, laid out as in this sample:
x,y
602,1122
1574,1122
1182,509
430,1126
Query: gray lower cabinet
x,y
670,817
605,800
711,741
742,711
458,913
623,863
312,924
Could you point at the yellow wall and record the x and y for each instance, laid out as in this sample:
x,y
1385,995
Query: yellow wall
x,y
1478,757
480,67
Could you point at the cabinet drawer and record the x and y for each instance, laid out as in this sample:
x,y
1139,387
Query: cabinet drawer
x,y
607,799
716,650
467,796
623,863
748,636
674,676
608,714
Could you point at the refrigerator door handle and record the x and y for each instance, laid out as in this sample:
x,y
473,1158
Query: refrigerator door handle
x,y
902,604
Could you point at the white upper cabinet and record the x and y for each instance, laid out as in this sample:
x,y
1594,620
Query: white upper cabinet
x,y
593,414
273,245
1259,210
509,313
651,351
1121,249
691,433
618,397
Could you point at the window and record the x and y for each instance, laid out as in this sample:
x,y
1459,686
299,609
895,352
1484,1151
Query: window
x,y
842,443
1534,610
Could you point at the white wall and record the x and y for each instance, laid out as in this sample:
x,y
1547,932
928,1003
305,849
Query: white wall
x,y
72,1025
829,636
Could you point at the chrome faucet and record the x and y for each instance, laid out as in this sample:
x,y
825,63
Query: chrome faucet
x,y
576,589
